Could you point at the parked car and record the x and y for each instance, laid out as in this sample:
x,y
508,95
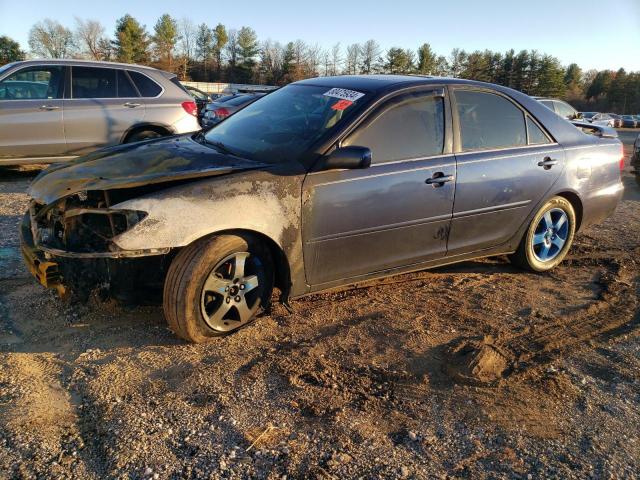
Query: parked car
x,y
598,118
635,159
561,107
320,184
201,98
617,119
629,121
56,110
223,107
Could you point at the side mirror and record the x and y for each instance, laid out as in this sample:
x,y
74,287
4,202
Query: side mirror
x,y
351,157
577,116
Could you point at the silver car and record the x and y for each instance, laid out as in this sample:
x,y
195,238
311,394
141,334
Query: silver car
x,y
597,118
56,110
561,107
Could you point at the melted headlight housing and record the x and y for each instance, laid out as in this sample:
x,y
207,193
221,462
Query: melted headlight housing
x,y
81,223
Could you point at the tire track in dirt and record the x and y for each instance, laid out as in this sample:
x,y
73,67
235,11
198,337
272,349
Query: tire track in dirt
x,y
488,360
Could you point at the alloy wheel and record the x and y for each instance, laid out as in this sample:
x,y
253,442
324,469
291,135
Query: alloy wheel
x,y
550,235
232,292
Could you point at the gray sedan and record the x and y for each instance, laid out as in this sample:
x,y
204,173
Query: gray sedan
x,y
320,184
223,107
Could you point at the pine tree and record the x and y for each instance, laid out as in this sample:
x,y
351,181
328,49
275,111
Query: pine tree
x,y
399,61
10,50
131,42
164,38
427,60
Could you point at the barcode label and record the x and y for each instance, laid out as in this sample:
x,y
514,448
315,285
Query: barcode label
x,y
344,94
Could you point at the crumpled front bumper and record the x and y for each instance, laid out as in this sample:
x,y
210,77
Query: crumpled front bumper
x,y
45,270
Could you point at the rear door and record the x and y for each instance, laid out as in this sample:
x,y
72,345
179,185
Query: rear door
x,y
31,112
103,105
389,215
506,163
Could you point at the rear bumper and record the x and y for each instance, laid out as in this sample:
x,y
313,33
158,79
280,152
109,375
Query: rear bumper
x,y
601,203
186,124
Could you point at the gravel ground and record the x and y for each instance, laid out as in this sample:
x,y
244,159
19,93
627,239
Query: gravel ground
x,y
472,371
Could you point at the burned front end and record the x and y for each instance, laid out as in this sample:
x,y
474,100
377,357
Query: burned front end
x,y
68,245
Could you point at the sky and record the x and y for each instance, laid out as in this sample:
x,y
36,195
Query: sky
x,y
600,34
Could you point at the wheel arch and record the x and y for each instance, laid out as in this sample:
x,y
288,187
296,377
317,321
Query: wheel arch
x,y
576,203
280,260
156,127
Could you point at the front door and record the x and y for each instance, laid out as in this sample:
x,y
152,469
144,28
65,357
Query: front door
x,y
392,214
103,106
506,165
31,112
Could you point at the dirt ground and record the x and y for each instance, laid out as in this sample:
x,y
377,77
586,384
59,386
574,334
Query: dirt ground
x,y
472,371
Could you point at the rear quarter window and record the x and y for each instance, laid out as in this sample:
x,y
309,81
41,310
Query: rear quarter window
x,y
177,83
146,86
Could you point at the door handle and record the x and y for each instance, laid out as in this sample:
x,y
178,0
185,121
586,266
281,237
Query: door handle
x,y
131,105
547,163
49,107
438,179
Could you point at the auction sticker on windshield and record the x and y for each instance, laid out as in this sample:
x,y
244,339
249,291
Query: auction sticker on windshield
x,y
344,94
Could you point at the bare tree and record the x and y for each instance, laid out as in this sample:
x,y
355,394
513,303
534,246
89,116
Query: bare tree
x,y
188,33
51,39
231,47
336,59
370,53
187,44
271,61
313,60
90,38
352,61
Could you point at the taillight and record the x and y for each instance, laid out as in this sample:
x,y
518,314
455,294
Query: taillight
x,y
621,164
221,112
191,108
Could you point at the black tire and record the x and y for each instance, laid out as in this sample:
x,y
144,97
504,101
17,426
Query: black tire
x,y
186,301
526,256
143,135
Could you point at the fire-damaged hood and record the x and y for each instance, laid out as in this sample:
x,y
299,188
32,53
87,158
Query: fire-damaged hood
x,y
155,161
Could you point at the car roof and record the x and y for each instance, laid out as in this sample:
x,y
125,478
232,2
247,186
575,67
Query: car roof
x,y
377,83
95,63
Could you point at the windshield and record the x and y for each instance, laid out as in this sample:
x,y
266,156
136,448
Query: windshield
x,y
588,114
285,123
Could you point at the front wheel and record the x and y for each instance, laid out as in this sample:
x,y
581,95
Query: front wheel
x,y
216,286
548,238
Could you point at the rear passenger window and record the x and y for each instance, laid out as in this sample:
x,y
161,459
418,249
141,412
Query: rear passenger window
x,y
125,87
536,135
489,121
410,127
91,82
146,86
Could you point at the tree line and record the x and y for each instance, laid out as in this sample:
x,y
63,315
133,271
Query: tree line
x,y
219,54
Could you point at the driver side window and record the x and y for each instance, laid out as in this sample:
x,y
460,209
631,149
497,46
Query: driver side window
x,y
33,83
408,127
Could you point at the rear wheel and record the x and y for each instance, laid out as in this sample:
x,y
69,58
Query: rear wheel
x,y
143,135
548,238
216,286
